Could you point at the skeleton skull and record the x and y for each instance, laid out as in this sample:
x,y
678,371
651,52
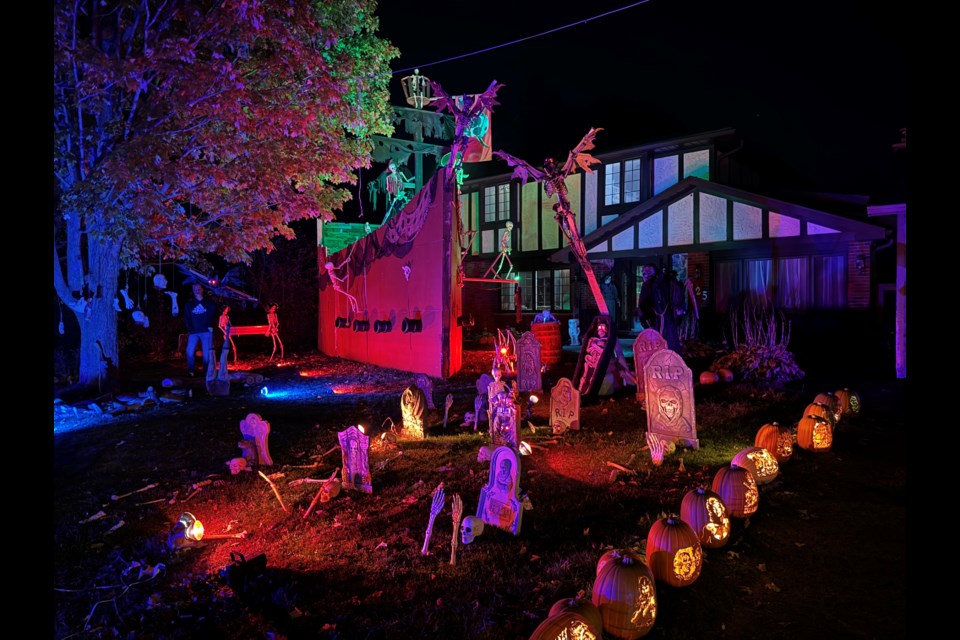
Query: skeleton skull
x,y
470,528
330,490
483,455
237,465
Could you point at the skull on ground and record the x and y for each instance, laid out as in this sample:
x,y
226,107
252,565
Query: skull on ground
x,y
470,528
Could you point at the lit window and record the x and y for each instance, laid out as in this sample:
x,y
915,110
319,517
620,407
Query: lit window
x,y
611,184
631,181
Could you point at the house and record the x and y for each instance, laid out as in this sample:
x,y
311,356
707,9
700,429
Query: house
x,y
695,204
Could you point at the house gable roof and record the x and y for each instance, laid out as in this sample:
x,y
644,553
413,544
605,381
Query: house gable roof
x,y
697,214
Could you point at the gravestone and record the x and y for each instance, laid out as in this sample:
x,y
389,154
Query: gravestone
x,y
423,381
528,363
669,398
354,450
412,403
255,428
503,421
500,504
647,343
564,407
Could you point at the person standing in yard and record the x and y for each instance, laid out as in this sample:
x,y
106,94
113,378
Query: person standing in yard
x,y
201,317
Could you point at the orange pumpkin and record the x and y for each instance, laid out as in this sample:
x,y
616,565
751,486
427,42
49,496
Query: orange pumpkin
x,y
759,461
706,514
726,375
820,410
737,487
831,401
849,402
673,552
615,554
626,595
709,377
583,608
775,439
565,625
815,434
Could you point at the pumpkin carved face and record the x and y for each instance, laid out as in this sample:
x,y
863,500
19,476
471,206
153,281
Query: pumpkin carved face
x,y
775,439
737,488
673,552
815,434
626,595
849,402
758,461
706,514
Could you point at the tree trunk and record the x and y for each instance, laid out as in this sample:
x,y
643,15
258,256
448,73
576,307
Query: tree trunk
x,y
98,320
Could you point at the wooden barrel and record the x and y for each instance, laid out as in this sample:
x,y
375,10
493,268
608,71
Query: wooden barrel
x,y
548,335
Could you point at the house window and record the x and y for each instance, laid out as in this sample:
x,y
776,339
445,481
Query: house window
x,y
791,284
496,202
621,182
611,184
631,180
539,290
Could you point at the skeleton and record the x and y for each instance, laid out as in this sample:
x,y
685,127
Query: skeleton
x,y
337,282
237,465
224,324
435,508
273,330
470,528
656,448
504,256
457,506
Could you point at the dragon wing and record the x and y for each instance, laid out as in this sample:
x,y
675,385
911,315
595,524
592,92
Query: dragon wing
x,y
578,155
521,170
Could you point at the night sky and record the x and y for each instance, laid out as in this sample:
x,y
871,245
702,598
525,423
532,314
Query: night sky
x,y
820,85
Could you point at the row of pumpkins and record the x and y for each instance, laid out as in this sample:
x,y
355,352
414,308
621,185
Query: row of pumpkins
x,y
624,601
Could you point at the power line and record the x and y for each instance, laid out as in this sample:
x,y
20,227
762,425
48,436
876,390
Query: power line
x,y
519,40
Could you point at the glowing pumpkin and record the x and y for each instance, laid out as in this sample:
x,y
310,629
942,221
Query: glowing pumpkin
x,y
615,554
737,487
821,411
849,402
831,401
706,514
815,434
758,461
565,626
626,595
583,608
775,439
726,375
673,552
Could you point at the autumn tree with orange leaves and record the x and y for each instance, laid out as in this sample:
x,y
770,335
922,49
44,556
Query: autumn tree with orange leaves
x,y
184,128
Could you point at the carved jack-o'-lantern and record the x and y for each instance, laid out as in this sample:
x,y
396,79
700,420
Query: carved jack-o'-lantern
x,y
566,625
775,439
815,434
831,401
849,402
706,514
737,487
614,555
582,607
758,461
821,411
673,552
626,595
